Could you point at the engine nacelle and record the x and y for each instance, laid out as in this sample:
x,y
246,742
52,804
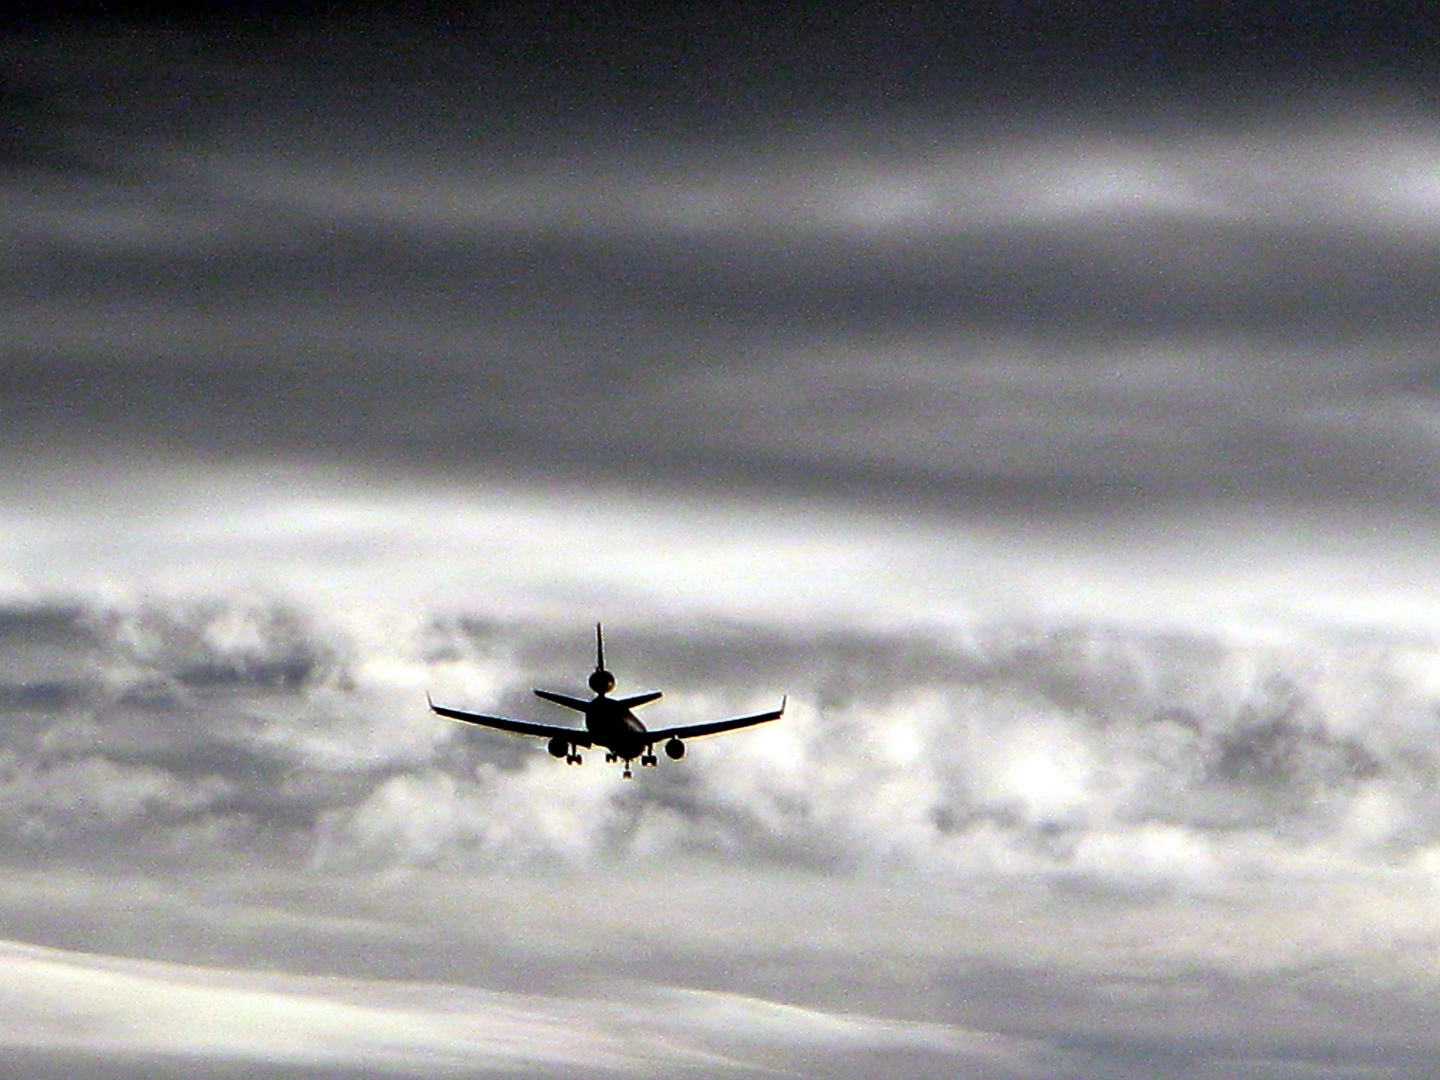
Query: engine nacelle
x,y
674,749
559,747
601,681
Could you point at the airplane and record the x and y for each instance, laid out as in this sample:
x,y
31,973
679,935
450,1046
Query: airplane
x,y
609,723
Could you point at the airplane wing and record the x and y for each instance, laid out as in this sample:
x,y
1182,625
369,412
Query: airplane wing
x,y
690,731
521,727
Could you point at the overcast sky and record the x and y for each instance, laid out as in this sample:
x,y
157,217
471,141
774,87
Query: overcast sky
x,y
1045,399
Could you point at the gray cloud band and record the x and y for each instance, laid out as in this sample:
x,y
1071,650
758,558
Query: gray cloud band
x,y
1084,749
1065,319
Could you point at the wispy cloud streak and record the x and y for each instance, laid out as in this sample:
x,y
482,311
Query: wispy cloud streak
x,y
70,1002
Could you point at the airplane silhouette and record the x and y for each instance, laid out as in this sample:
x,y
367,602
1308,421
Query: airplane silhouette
x,y
608,722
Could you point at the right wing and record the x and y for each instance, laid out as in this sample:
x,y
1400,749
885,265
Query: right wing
x,y
690,731
575,736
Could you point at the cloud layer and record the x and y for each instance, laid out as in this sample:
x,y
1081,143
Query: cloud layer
x,y
1053,315
1126,754
77,1005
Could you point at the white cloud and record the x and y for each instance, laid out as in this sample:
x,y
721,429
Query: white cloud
x,y
1375,175
55,1000
378,563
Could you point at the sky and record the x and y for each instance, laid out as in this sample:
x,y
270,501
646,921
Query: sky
x,y
1043,398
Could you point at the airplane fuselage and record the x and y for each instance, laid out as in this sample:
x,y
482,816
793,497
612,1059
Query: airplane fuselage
x,y
613,726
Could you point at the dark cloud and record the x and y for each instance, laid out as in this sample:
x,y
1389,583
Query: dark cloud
x,y
728,65
962,310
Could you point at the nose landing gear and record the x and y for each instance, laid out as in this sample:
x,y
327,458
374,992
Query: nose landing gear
x,y
646,759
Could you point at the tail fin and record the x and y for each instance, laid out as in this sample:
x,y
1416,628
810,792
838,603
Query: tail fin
x,y
601,681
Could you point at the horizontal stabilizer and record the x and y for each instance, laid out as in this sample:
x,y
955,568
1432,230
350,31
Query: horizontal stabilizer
x,y
563,699
639,699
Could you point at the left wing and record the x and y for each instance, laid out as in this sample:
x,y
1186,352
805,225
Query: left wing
x,y
575,736
690,731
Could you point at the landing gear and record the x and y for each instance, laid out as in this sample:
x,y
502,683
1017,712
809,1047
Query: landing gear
x,y
610,759
649,759
560,748
627,774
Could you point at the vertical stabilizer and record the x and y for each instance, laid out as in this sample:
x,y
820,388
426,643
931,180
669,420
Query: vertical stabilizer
x,y
601,681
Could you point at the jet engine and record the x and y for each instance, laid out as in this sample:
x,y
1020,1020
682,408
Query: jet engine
x,y
674,749
558,747
601,681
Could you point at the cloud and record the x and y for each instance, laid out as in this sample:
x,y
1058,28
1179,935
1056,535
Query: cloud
x,y
680,961
58,1001
71,1001
1073,832
955,312
1129,756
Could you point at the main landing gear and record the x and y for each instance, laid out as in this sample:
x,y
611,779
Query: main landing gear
x,y
560,748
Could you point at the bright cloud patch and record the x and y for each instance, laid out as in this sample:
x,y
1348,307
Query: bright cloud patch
x,y
59,1001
